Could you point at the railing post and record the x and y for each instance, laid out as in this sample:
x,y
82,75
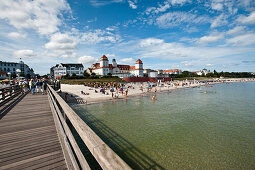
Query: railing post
x,y
10,91
3,94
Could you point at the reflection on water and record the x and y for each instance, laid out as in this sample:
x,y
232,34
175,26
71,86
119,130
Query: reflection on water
x,y
203,128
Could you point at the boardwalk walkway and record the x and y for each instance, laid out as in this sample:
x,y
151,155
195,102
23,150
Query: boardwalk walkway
x,y
28,136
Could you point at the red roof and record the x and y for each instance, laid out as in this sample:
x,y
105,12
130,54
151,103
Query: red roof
x,y
132,68
103,58
139,61
96,65
173,70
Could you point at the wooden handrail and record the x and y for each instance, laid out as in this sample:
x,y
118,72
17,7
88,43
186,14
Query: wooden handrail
x,y
104,155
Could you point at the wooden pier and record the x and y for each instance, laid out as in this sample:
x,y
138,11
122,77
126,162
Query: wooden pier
x,y
35,133
28,137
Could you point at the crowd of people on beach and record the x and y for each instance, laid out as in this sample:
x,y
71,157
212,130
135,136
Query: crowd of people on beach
x,y
115,88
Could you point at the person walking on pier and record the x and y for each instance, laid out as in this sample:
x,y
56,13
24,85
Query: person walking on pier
x,y
32,86
44,86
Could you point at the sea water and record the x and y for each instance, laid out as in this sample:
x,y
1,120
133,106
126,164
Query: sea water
x,y
211,127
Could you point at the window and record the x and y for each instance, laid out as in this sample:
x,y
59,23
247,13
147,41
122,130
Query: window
x,y
14,69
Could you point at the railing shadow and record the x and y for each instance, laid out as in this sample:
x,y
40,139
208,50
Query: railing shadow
x,y
6,108
125,149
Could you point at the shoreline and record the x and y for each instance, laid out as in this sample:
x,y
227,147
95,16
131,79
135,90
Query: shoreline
x,y
74,91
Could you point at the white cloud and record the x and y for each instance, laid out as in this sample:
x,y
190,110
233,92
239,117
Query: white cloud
x,y
249,20
217,6
172,19
165,6
87,60
16,35
62,45
236,30
187,63
242,40
219,21
132,4
179,51
178,2
128,60
41,15
97,36
211,38
209,65
24,54
150,41
98,3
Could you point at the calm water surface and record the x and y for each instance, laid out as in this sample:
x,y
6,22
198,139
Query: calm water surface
x,y
195,128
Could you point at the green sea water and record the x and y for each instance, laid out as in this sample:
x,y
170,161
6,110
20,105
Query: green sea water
x,y
194,128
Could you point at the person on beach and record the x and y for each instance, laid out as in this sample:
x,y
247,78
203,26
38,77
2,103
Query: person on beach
x,y
153,98
126,92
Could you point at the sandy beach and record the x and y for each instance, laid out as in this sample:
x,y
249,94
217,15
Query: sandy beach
x,y
138,89
89,94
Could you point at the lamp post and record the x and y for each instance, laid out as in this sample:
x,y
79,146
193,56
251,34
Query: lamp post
x,y
18,72
9,75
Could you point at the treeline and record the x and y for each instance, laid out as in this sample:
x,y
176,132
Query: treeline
x,y
215,74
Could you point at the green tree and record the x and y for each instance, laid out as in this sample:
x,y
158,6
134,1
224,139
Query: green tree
x,y
185,74
85,74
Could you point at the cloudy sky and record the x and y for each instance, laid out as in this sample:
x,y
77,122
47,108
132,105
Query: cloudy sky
x,y
167,34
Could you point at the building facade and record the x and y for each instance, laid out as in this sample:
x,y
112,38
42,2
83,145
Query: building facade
x,y
104,68
63,69
173,71
12,67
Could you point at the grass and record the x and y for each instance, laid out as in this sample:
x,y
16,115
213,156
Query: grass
x,y
82,81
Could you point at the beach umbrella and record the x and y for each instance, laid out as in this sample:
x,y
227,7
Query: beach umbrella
x,y
6,80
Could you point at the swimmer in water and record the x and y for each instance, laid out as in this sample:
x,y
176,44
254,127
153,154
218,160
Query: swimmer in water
x,y
153,97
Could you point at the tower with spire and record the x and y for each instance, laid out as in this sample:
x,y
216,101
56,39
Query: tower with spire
x,y
139,68
104,65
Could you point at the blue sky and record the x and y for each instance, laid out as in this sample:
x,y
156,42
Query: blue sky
x,y
167,34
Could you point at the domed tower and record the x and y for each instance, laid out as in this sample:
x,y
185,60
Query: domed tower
x,y
114,63
139,68
104,65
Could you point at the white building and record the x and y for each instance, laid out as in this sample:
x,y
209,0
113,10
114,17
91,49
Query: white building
x,y
173,71
104,68
11,67
153,74
63,69
201,72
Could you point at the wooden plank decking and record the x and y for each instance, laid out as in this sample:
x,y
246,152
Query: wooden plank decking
x,y
28,136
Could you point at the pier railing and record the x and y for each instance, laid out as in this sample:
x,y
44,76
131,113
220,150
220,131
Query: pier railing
x,y
103,154
7,93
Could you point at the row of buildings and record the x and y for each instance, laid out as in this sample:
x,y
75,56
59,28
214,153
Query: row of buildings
x,y
11,68
104,68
